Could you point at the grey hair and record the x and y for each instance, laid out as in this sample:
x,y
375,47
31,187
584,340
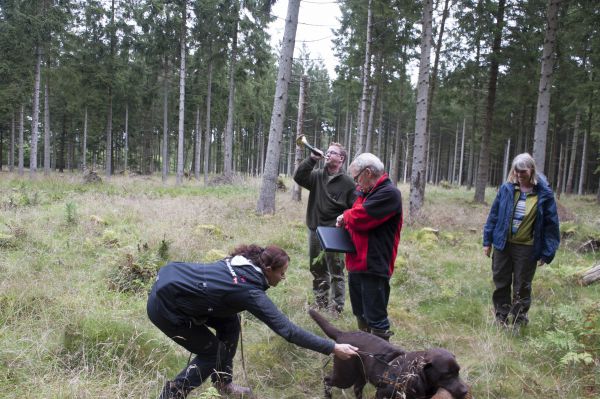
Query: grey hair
x,y
523,161
368,160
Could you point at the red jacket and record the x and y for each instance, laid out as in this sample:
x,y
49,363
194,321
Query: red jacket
x,y
374,223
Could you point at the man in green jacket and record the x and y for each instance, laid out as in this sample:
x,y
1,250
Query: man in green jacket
x,y
331,192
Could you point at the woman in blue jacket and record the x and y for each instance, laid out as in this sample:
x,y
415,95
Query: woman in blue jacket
x,y
188,298
523,229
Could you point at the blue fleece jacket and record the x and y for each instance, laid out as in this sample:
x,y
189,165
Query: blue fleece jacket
x,y
546,234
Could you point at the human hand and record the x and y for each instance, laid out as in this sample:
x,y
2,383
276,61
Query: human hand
x,y
339,222
487,251
541,263
317,154
345,351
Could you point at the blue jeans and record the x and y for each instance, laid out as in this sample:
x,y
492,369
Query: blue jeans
x,y
214,352
369,296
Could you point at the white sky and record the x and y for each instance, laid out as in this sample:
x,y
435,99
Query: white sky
x,y
316,20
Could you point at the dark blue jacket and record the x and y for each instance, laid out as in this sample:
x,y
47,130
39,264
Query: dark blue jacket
x,y
546,234
187,293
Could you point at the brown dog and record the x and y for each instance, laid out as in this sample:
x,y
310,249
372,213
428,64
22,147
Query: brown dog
x,y
396,373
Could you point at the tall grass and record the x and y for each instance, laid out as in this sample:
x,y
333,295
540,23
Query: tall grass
x,y
76,261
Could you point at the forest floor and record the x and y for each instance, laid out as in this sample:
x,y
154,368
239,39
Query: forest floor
x,y
76,261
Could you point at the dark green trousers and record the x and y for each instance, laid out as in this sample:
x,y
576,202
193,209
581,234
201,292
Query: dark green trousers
x,y
513,269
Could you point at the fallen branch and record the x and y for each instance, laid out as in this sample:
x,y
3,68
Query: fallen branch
x,y
590,276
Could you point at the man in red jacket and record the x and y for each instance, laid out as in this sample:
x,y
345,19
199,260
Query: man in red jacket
x,y
374,223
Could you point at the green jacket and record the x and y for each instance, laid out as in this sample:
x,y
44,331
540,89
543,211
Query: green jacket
x,y
329,195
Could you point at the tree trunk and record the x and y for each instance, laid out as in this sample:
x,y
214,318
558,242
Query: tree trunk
x,y
84,149
181,129
207,136
46,129
11,154
436,61
266,200
418,178
198,147
165,144
35,114
484,149
569,187
126,155
543,102
462,152
583,162
228,153
506,163
296,190
362,124
21,140
475,94
559,183
110,95
397,154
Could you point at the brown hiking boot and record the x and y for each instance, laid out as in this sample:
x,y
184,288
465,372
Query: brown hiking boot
x,y
232,390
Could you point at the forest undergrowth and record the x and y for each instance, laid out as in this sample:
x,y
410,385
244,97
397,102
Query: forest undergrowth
x,y
76,262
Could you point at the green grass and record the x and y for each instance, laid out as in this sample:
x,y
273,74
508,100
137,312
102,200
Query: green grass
x,y
75,260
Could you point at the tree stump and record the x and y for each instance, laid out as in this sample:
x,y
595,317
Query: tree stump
x,y
590,276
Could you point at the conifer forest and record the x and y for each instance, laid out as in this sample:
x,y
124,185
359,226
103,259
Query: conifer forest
x,y
445,91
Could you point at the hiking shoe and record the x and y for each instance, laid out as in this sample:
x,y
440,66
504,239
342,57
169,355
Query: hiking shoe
x,y
232,390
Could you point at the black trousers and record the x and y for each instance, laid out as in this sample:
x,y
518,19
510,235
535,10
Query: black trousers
x,y
214,351
369,296
513,269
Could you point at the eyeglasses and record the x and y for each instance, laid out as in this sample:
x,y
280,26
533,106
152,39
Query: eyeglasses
x,y
330,152
355,178
521,170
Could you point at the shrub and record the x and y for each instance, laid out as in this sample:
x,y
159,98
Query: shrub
x,y
135,273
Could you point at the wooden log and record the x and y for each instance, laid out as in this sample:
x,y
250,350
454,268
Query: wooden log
x,y
590,276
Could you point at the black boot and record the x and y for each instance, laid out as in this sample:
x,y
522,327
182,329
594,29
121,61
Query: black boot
x,y
385,334
362,325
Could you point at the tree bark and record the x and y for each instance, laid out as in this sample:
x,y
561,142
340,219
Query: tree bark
x,y
462,152
35,114
397,153
418,178
84,148
126,155
364,99
46,129
165,144
228,153
182,72
198,145
543,103
21,139
296,190
11,153
110,94
571,174
484,149
207,138
266,200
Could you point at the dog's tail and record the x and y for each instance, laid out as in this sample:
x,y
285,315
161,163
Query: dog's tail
x,y
328,328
